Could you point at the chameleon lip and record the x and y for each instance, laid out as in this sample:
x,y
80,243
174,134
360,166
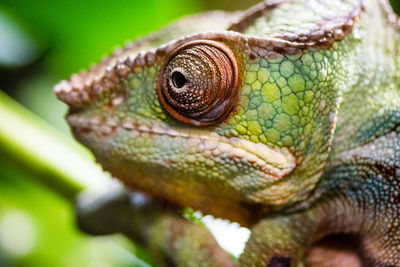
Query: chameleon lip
x,y
276,162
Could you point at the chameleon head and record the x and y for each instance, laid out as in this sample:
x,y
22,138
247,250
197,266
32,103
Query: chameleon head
x,y
216,121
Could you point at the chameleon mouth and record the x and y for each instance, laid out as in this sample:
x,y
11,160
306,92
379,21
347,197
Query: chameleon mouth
x,y
275,162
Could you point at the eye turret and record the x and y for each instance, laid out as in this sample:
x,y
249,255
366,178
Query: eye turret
x,y
199,83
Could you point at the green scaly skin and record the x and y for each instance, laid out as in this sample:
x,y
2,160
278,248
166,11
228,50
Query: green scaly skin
x,y
309,149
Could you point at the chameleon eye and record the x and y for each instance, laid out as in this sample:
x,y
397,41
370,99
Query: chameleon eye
x,y
199,83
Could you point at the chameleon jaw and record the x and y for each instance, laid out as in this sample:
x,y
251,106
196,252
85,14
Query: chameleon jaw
x,y
273,162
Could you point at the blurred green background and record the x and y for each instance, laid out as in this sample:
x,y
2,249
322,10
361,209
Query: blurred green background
x,y
42,42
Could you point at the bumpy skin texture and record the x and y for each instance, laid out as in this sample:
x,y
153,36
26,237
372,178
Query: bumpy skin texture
x,y
305,146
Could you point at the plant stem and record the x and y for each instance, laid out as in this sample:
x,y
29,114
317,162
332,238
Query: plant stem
x,y
58,161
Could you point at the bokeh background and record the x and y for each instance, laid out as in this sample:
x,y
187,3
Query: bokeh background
x,y
41,168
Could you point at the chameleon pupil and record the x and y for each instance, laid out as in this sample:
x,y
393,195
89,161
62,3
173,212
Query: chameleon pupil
x,y
178,79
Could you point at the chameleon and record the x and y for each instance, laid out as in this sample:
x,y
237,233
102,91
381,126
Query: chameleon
x,y
284,118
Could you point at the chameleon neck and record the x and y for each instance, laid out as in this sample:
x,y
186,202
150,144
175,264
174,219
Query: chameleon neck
x,y
377,51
